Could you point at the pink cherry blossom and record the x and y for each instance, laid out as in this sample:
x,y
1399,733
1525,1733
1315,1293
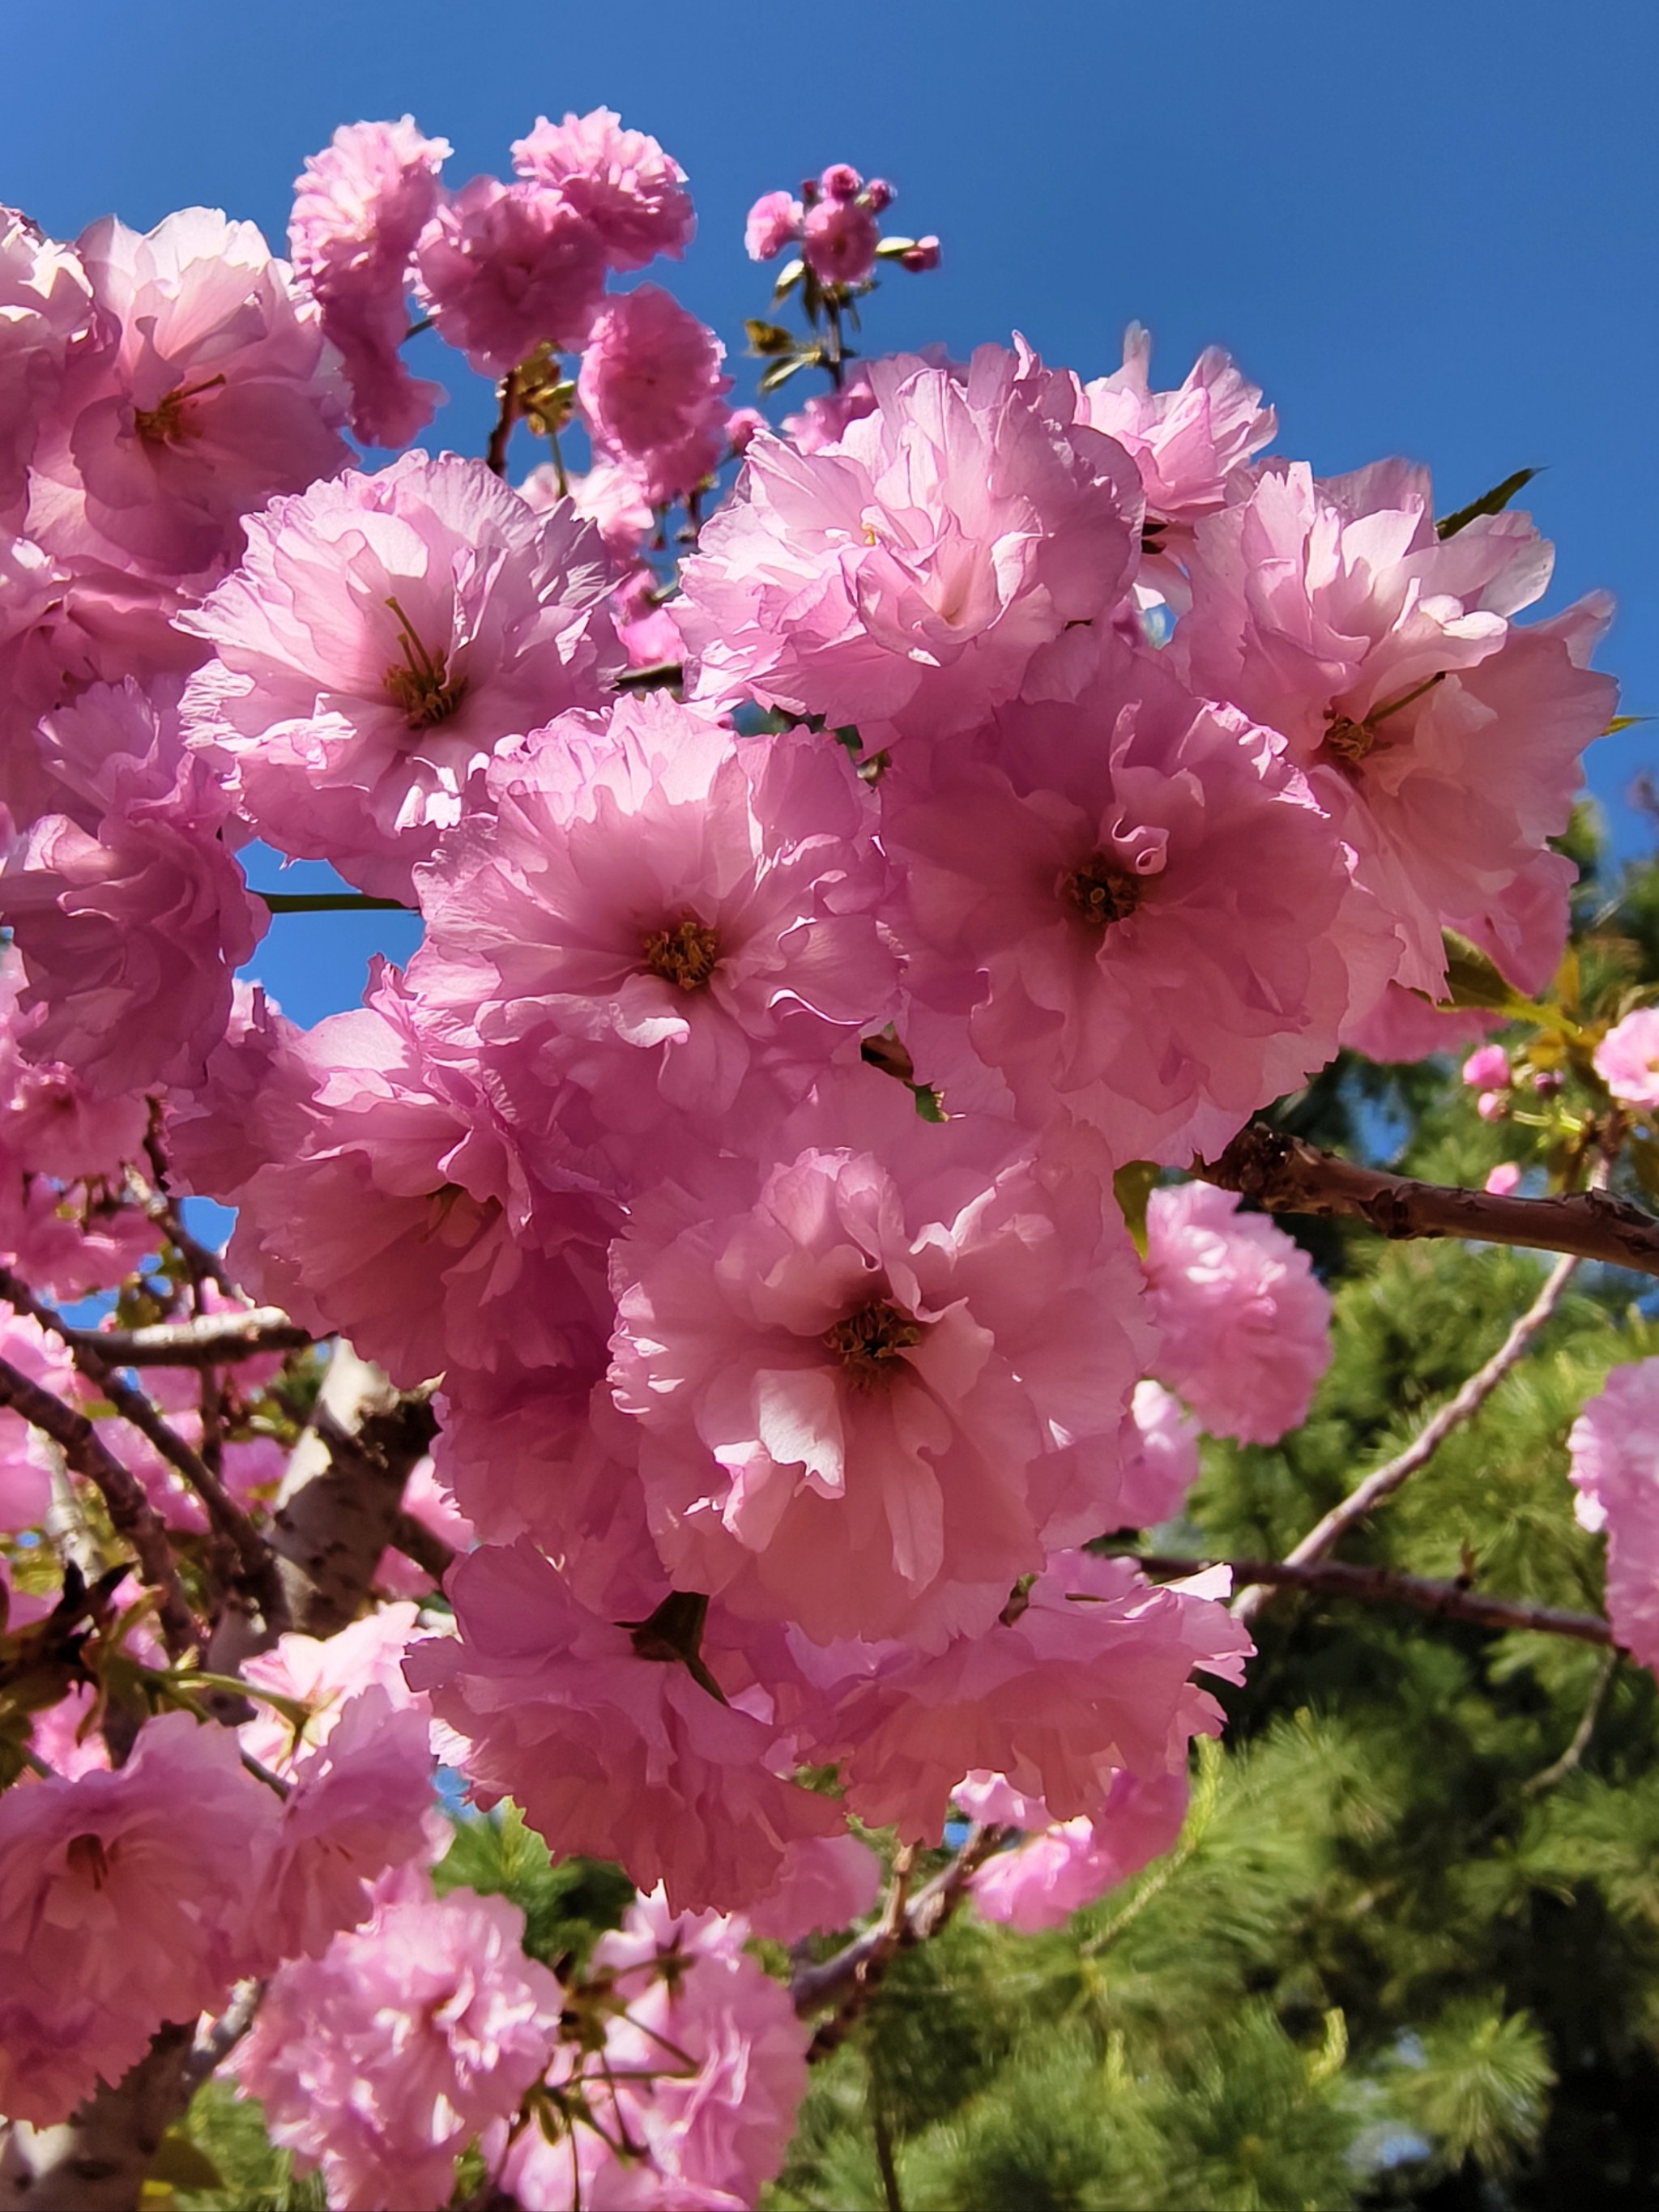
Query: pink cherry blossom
x,y
1244,1326
1502,1179
838,242
1614,1446
502,269
875,1377
211,388
826,414
1161,1459
46,302
430,1506
1627,1059
26,1458
773,222
359,206
220,1131
611,1750
1135,903
382,2058
1087,1674
1055,1873
129,930
1194,446
116,1915
679,924
383,637
904,580
703,2067
619,181
827,1882
609,494
652,392
401,1212
1486,1068
1332,612
1402,1026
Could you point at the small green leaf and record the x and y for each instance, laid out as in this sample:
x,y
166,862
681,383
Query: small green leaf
x,y
779,372
1490,503
891,248
1624,722
1473,980
1132,1185
788,277
181,2164
767,338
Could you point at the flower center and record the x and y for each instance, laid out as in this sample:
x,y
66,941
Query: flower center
x,y
422,686
868,1343
685,956
1348,742
1101,892
88,1859
165,423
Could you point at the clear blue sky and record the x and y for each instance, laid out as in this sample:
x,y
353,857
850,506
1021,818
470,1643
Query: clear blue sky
x,y
1423,229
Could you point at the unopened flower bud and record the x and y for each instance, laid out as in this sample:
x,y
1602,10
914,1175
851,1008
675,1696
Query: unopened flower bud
x,y
877,194
839,182
923,255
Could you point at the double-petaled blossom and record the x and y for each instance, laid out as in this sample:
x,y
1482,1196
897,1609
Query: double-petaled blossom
x,y
1194,446
381,2060
131,913
903,580
1062,1866
207,389
1243,1323
621,182
1443,742
503,269
608,1739
359,207
652,394
26,1458
1160,1457
827,1882
1614,1446
46,303
116,1914
680,925
1128,905
876,1373
383,637
400,1211
1627,1060
693,2097
1088,1672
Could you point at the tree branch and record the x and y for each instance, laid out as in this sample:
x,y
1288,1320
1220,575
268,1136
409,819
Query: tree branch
x,y
96,2161
1325,1534
851,1978
132,1517
1283,1175
213,1340
255,1565
1453,1601
424,1546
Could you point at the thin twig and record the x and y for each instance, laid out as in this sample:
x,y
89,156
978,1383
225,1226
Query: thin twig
x,y
1559,1769
1326,1532
1283,1175
132,1515
205,1267
211,1340
501,435
254,1559
849,1979
1453,1601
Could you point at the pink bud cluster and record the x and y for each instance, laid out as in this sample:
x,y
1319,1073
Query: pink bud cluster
x,y
834,227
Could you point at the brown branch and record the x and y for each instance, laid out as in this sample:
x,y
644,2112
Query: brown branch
x,y
424,1546
96,2160
255,1564
202,1265
1283,1175
1453,1601
500,435
851,1978
132,1515
1383,1481
213,1340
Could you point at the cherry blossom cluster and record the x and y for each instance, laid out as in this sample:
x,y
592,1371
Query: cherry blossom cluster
x,y
1023,784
